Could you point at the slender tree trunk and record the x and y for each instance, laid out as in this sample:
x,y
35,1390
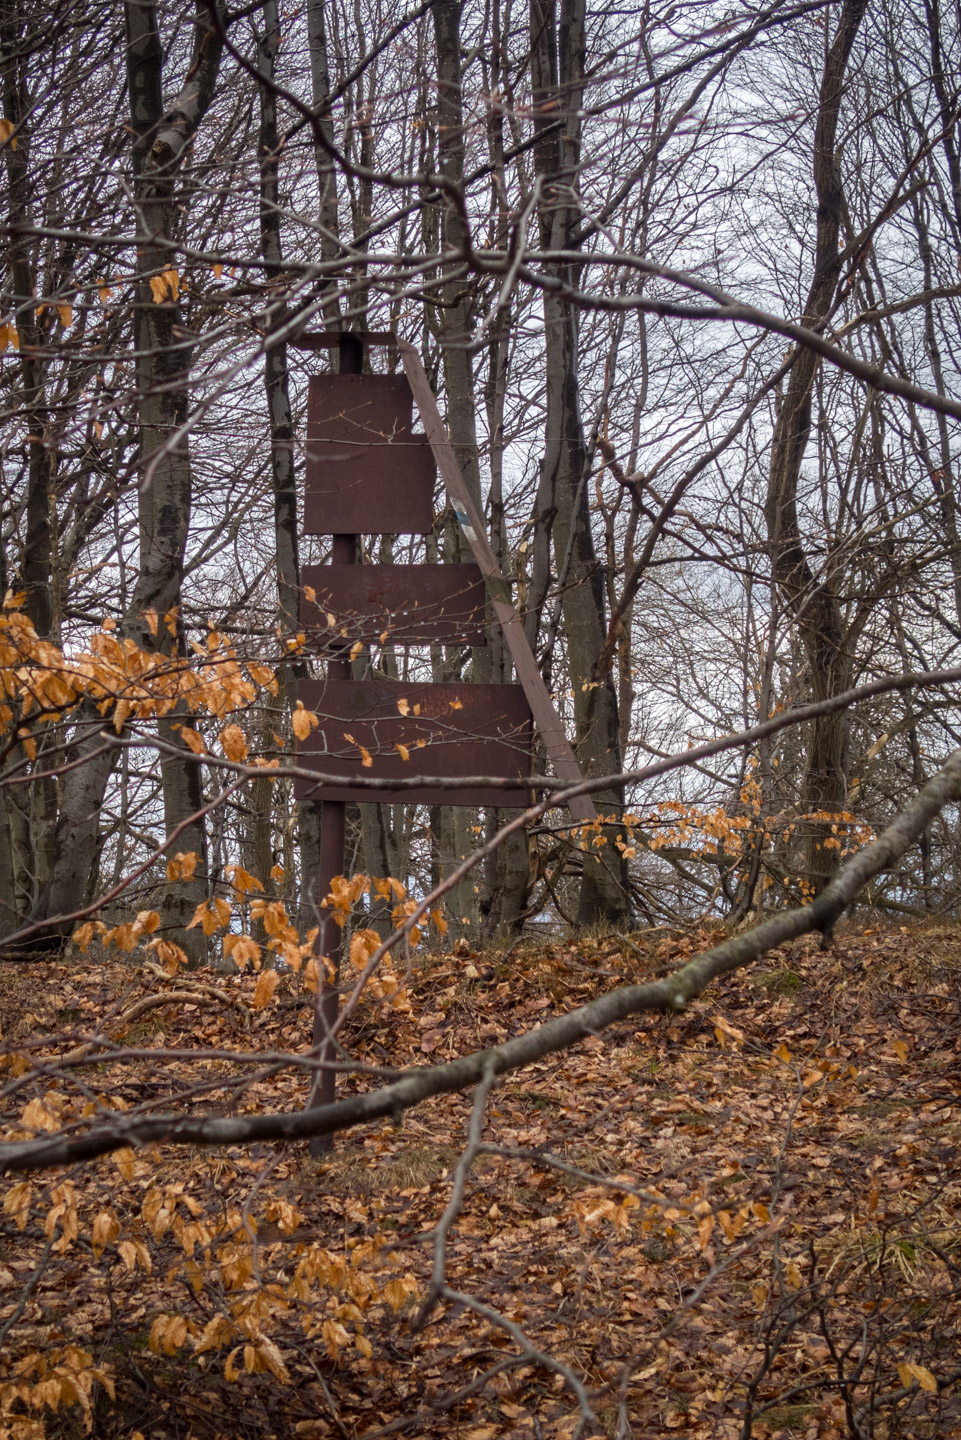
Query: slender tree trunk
x,y
162,136
327,212
37,564
280,420
305,824
458,832
164,359
558,51
814,602
507,875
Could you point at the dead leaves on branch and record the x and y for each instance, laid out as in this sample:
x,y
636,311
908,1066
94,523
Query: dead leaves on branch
x,y
38,683
125,937
59,1379
165,286
284,943
266,1305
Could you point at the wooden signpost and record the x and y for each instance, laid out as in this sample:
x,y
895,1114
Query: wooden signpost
x,y
369,472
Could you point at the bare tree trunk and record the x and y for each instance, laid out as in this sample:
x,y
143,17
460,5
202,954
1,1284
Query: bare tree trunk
x,y
327,214
37,565
163,384
558,50
454,323
280,420
507,876
162,137
814,602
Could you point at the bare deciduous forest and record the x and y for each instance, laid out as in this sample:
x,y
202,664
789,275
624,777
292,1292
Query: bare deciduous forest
x,y
525,1124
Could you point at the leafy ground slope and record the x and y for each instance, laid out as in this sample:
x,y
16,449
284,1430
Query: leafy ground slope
x,y
740,1221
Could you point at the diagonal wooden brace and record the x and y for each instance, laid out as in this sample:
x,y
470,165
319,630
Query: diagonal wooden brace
x,y
549,726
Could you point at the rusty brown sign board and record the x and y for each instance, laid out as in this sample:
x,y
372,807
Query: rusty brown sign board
x,y
430,730
367,472
395,604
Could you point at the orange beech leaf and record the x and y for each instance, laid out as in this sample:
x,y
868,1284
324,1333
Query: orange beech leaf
x,y
125,937
165,286
921,1374
267,982
335,1337
303,721
271,1359
233,743
170,955
106,1228
182,865
83,934
242,880
363,944
134,1254
121,714
273,917
438,921
211,915
242,949
16,1203
167,1334
264,676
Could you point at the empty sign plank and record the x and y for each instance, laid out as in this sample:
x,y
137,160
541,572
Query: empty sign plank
x,y
394,604
387,730
367,472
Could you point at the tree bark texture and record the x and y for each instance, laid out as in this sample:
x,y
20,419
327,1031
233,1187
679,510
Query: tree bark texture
x,y
455,836
327,211
162,136
557,62
813,601
26,851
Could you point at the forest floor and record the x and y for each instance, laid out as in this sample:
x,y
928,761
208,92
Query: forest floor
x,y
740,1221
